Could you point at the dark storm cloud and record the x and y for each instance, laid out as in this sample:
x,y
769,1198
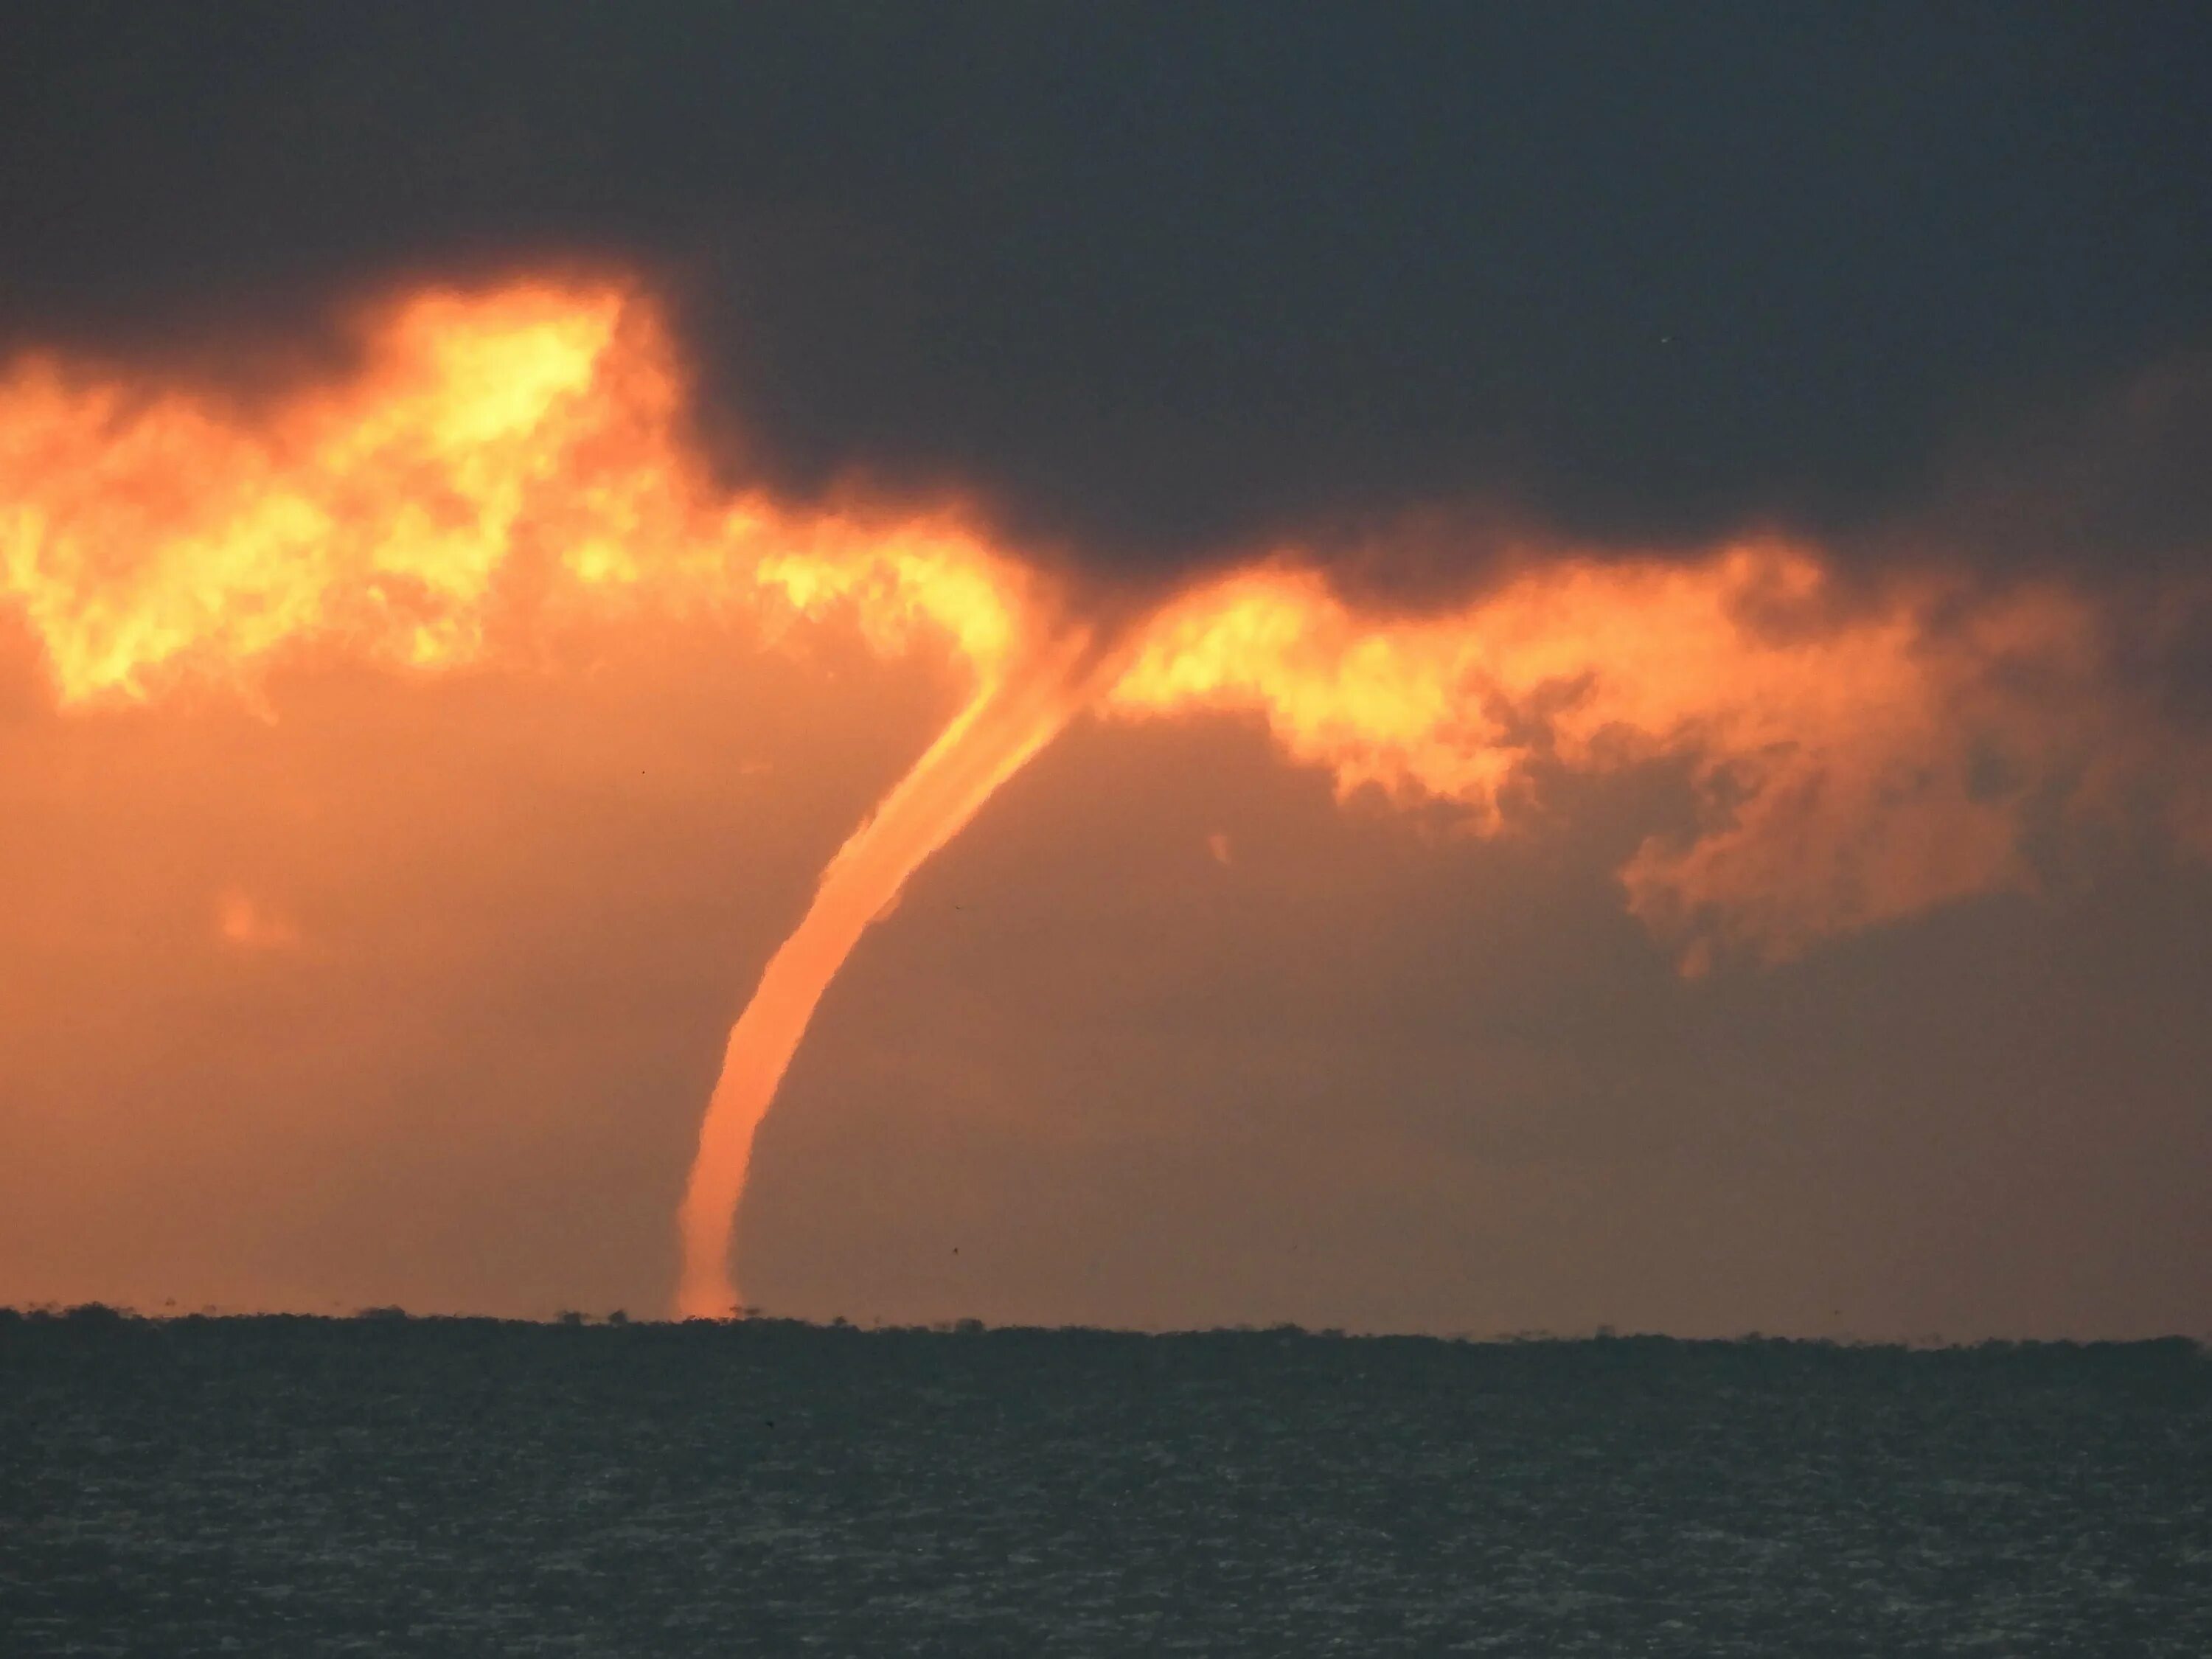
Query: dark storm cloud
x,y
1160,281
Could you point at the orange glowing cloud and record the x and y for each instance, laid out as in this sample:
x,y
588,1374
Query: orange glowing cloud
x,y
1855,762
496,454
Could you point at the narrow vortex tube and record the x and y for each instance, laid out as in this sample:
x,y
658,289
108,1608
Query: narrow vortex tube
x,y
1010,717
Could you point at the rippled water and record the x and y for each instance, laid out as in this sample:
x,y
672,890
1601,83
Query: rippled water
x,y
302,1487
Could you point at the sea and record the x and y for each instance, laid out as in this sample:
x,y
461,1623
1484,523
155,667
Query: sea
x,y
385,1485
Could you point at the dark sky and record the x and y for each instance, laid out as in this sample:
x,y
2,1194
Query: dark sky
x,y
1161,281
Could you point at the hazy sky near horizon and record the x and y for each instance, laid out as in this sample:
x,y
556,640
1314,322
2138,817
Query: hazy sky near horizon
x,y
1666,778
1170,1036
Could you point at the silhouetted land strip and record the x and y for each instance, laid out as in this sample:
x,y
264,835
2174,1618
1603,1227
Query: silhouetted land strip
x,y
2174,1361
473,1486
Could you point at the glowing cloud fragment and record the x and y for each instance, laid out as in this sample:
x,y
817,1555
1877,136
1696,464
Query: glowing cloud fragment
x,y
246,924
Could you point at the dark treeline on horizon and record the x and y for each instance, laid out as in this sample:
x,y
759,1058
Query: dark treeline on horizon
x,y
761,1333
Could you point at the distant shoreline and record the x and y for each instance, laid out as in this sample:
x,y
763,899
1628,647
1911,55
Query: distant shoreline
x,y
99,1318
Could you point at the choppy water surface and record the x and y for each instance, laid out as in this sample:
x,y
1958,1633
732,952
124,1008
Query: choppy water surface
x,y
302,1487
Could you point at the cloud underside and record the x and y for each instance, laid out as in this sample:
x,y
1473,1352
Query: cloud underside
x,y
1165,285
